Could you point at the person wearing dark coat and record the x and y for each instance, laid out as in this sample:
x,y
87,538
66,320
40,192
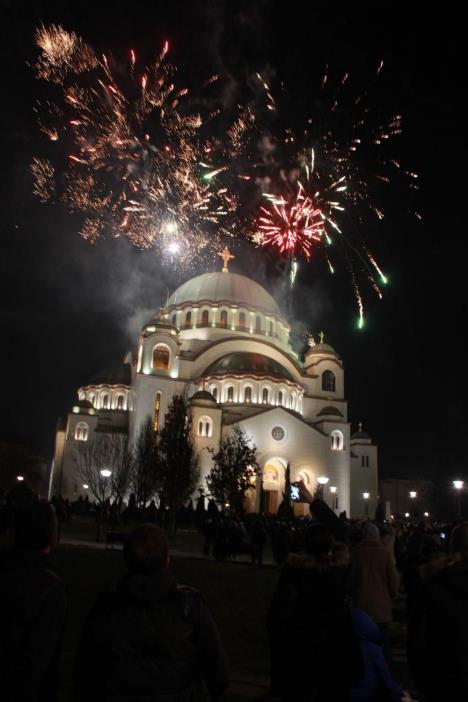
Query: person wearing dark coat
x,y
377,684
150,640
439,621
33,606
310,627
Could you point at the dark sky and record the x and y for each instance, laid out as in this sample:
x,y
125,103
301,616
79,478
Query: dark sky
x,y
69,309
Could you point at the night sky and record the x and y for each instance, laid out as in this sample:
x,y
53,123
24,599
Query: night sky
x,y
69,309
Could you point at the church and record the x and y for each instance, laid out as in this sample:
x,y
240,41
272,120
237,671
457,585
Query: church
x,y
222,342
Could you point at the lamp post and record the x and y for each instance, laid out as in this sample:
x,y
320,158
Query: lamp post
x,y
366,496
458,485
322,481
333,490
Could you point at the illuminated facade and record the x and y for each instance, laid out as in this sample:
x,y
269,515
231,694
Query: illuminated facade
x,y
223,343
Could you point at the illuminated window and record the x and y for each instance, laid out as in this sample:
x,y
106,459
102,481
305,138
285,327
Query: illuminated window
x,y
265,396
157,408
205,427
120,402
223,319
81,431
328,381
248,394
258,324
105,402
280,397
205,318
214,392
188,319
337,440
92,397
242,321
161,356
230,393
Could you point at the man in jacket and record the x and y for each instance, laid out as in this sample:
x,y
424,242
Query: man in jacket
x,y
374,581
151,640
32,609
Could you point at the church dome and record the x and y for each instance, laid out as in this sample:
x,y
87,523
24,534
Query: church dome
x,y
321,348
243,363
227,288
117,375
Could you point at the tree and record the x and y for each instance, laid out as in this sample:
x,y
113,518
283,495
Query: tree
x,y
177,460
234,471
144,481
90,458
285,510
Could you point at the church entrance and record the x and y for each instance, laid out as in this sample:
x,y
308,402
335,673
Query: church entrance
x,y
273,482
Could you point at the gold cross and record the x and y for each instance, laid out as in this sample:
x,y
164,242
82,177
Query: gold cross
x,y
226,255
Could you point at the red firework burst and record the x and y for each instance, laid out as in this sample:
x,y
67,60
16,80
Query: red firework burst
x,y
291,226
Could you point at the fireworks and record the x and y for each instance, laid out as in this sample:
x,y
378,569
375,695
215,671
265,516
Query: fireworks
x,y
132,146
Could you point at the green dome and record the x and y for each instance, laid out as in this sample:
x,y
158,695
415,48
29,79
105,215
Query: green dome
x,y
244,363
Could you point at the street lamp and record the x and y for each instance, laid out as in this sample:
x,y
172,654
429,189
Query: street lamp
x,y
407,515
413,494
322,481
426,514
106,473
458,485
85,486
366,496
333,490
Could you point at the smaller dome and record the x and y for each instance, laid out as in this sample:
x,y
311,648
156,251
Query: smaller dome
x,y
321,348
203,395
84,404
360,435
160,324
116,375
330,411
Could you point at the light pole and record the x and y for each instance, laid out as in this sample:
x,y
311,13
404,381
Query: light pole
x,y
333,491
366,496
322,481
458,485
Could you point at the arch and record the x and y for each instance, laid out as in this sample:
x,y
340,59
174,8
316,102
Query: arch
x,y
205,426
161,356
266,396
188,319
223,319
92,398
328,381
280,397
271,328
105,401
120,402
229,393
214,391
336,440
241,321
292,401
81,431
205,318
258,324
306,476
248,393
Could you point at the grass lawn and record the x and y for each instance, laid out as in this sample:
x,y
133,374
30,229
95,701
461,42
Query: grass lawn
x,y
237,594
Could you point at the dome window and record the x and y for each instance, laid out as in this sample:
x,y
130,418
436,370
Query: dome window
x,y
105,402
161,357
214,392
205,318
328,381
223,319
248,394
280,397
81,431
242,321
188,319
258,324
230,394
265,396
92,397
271,328
120,402
205,427
337,440
174,320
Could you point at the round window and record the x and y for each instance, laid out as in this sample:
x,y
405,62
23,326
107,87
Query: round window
x,y
277,433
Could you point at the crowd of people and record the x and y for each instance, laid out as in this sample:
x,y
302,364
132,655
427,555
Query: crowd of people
x,y
152,639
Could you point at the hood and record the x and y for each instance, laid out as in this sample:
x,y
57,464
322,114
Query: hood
x,y
147,588
366,629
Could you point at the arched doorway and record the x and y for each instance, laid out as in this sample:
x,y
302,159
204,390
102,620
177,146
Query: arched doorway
x,y
273,484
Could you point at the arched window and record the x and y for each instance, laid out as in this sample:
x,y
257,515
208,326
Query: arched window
x,y
280,397
242,321
258,324
205,426
271,328
120,402
205,318
161,356
92,397
214,392
105,402
265,396
328,381
336,440
81,431
174,319
223,319
248,394
157,409
230,393
188,319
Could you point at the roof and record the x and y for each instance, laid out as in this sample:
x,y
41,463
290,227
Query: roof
x,y
329,410
230,288
321,348
243,362
360,435
116,375
203,395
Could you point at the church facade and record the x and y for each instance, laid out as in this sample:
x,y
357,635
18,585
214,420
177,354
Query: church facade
x,y
223,343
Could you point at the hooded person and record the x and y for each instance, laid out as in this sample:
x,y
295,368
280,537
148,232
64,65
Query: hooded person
x,y
150,640
374,581
440,625
310,627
